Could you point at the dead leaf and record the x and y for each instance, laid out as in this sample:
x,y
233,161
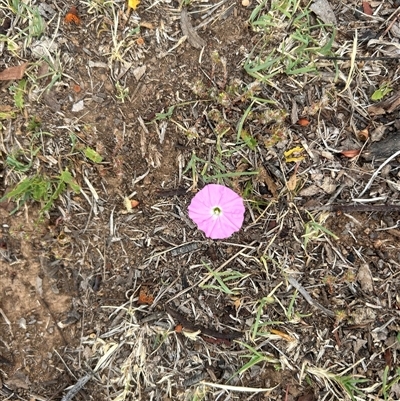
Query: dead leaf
x,y
310,191
303,122
133,4
294,155
237,302
323,11
351,153
307,397
364,277
72,16
388,105
191,335
187,29
267,179
147,25
366,8
291,184
282,334
138,72
11,73
5,108
358,344
388,357
378,133
328,185
144,297
134,203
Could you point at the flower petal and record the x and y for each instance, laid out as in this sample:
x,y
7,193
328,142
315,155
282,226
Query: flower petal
x,y
232,211
216,193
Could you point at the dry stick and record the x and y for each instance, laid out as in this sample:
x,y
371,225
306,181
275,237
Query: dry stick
x,y
347,58
392,23
44,303
377,172
356,208
7,321
307,296
76,388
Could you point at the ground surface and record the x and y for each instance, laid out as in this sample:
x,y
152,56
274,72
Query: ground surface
x,y
113,300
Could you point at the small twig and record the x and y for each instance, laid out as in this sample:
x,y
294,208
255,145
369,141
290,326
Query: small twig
x,y
389,27
193,38
344,58
7,321
307,296
356,208
44,303
164,193
377,172
76,388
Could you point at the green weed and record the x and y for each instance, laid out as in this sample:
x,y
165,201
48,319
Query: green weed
x,y
222,279
387,384
122,92
18,91
32,26
314,230
290,44
349,384
381,92
42,189
256,329
255,357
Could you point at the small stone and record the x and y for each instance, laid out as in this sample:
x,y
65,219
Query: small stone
x,y
79,106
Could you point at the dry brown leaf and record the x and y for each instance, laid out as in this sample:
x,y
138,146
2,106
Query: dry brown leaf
x,y
144,297
285,336
303,122
267,179
364,277
11,73
385,106
324,12
147,25
366,8
187,29
292,182
378,133
72,16
5,108
134,203
307,397
351,153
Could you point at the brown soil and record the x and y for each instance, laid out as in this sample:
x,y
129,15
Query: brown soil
x,y
70,284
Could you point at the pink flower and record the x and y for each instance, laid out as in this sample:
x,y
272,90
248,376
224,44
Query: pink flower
x,y
217,210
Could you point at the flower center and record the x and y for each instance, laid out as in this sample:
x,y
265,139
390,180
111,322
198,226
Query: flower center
x,y
216,210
